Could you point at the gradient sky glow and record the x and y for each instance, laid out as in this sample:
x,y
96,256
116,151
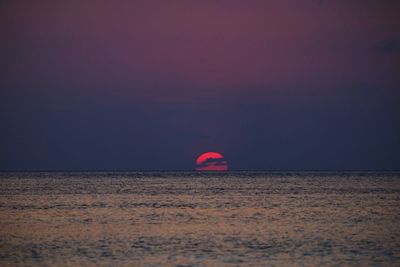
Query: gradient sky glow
x,y
149,85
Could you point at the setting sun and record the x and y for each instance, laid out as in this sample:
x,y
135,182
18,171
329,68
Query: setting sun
x,y
211,161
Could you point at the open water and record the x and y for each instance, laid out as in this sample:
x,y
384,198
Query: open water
x,y
199,219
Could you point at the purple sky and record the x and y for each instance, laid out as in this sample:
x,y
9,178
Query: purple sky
x,y
131,85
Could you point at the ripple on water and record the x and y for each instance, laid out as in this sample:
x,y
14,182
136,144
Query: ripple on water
x,y
199,219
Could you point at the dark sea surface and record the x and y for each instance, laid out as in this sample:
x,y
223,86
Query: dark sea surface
x,y
199,219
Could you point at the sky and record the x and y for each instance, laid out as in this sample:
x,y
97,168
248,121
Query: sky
x,y
152,84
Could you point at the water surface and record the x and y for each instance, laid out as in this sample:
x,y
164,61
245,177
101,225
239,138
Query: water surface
x,y
199,219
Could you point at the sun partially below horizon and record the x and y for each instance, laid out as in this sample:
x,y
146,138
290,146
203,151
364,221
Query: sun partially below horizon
x,y
211,161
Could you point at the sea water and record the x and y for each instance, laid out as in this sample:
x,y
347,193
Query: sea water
x,y
199,219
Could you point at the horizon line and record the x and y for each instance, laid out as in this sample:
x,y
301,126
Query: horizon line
x,y
198,171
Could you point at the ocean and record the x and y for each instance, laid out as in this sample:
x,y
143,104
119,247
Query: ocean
x,y
200,219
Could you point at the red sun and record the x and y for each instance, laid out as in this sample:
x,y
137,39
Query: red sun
x,y
211,161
